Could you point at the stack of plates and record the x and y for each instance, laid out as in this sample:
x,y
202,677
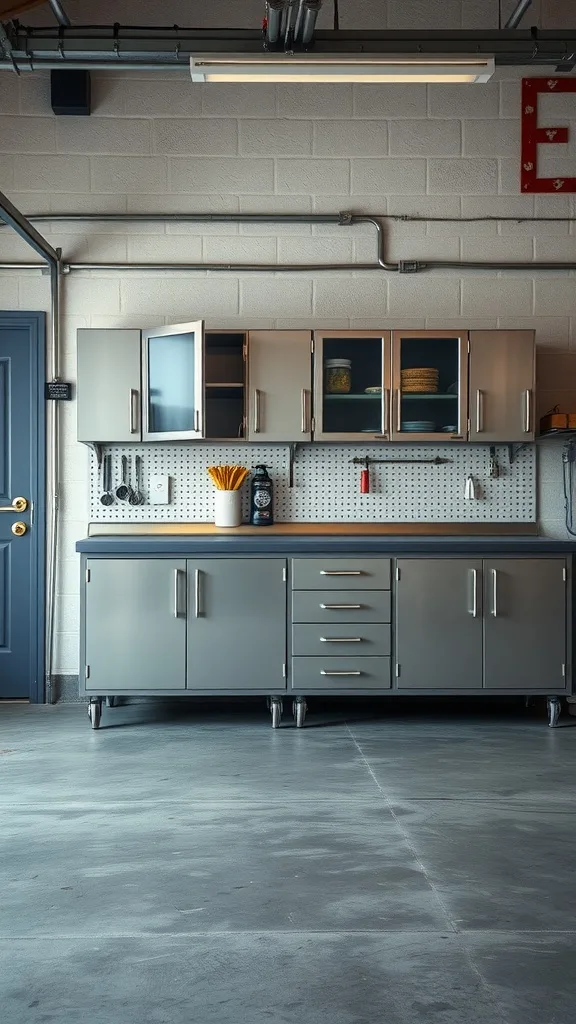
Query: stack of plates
x,y
418,427
420,380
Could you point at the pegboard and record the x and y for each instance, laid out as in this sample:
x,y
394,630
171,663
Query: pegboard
x,y
327,486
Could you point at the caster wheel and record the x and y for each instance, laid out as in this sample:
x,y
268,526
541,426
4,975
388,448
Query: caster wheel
x,y
95,713
276,712
554,709
299,709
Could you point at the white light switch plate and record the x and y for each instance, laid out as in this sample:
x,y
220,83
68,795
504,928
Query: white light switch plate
x,y
160,489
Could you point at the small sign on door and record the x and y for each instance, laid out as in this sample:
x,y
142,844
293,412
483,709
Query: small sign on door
x,y
58,391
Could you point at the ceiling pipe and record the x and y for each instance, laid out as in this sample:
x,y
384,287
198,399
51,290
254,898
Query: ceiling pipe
x,y
518,13
59,13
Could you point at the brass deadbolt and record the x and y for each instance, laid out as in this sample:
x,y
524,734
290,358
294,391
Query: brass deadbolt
x,y
19,529
19,504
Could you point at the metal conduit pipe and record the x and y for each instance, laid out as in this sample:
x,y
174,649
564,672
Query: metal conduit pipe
x,y
310,19
274,10
343,219
52,477
59,13
518,13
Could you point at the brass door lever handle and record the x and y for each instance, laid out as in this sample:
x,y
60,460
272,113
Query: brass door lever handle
x,y
18,505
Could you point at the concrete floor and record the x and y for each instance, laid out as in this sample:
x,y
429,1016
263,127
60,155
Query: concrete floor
x,y
188,865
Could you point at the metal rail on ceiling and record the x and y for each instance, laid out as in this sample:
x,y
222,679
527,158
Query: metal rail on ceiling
x,y
157,47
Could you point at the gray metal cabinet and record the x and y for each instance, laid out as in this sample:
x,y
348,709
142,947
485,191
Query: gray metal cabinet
x,y
236,624
108,387
279,386
439,624
525,623
502,367
135,625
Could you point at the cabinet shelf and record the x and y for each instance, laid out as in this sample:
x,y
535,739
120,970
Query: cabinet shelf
x,y
355,398
427,397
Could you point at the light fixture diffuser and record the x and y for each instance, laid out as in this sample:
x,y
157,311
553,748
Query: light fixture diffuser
x,y
364,68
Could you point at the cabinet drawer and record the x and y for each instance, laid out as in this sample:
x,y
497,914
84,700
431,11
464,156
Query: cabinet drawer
x,y
336,573
341,606
341,639
341,674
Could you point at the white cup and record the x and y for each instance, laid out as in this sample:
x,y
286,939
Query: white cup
x,y
227,508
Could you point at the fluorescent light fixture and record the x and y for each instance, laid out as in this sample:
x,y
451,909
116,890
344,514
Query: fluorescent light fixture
x,y
309,67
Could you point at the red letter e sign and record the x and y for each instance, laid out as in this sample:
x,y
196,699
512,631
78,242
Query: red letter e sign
x,y
533,136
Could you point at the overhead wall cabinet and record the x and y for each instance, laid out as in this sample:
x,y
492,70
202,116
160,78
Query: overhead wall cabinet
x,y
181,383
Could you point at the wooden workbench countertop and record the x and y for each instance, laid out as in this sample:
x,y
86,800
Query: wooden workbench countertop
x,y
316,529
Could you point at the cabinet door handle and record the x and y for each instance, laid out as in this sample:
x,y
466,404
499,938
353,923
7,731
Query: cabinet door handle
x,y
339,672
340,572
527,410
494,592
197,594
197,421
479,411
134,396
474,609
176,593
256,411
340,639
347,606
385,411
399,410
305,411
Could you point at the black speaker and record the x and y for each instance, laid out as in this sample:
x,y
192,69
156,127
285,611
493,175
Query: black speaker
x,y
70,92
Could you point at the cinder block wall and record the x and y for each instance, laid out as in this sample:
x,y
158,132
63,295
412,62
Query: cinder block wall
x,y
156,143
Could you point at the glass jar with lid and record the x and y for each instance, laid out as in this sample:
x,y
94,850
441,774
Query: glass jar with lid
x,y
338,376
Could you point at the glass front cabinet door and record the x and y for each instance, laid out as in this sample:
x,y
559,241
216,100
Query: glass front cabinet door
x,y
351,385
173,382
430,386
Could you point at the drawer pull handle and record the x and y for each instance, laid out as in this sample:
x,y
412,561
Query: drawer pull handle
x,y
339,672
340,572
347,606
340,639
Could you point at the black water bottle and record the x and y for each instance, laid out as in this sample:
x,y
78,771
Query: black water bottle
x,y
261,508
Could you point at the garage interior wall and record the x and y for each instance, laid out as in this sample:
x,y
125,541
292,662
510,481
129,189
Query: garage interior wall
x,y
155,142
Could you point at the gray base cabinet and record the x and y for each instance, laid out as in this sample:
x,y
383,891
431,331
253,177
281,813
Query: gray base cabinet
x,y
469,624
135,632
236,624
354,625
525,623
438,624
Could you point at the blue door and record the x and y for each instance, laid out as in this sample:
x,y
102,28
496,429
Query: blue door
x,y
21,505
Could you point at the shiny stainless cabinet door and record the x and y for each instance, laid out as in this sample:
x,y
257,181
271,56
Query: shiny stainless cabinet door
x,y
236,624
502,386
135,626
525,624
279,386
108,388
439,624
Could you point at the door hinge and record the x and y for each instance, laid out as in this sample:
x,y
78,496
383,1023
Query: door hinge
x,y
87,575
564,574
397,573
87,672
284,574
397,670
563,669
283,670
